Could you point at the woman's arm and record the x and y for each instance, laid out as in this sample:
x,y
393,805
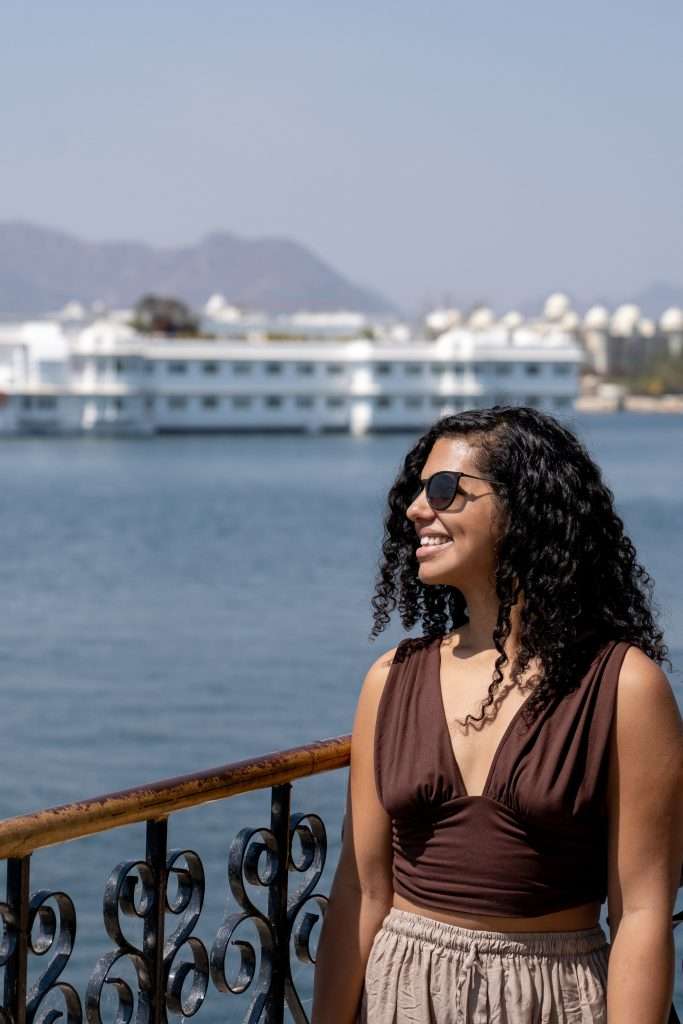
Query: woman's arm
x,y
645,808
362,891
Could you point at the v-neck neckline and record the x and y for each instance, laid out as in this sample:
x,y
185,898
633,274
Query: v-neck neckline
x,y
436,674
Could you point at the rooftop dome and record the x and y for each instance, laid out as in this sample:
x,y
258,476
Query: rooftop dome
x,y
597,318
625,319
672,319
512,320
556,305
570,321
646,328
105,334
73,310
481,318
440,320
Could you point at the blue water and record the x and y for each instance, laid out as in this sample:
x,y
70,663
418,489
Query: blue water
x,y
173,604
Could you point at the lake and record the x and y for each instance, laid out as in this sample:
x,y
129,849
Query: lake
x,y
175,603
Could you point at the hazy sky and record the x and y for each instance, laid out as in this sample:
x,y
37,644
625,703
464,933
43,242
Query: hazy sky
x,y
482,151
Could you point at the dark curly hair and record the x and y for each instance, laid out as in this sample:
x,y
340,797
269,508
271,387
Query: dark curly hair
x,y
561,542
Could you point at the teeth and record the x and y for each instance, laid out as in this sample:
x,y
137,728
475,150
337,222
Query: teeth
x,y
432,541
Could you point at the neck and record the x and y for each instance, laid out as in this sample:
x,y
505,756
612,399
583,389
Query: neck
x,y
482,609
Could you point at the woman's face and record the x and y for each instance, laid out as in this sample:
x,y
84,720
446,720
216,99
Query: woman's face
x,y
470,525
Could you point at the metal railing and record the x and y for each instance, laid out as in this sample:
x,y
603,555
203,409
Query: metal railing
x,y
173,968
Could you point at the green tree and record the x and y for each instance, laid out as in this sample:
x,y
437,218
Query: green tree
x,y
157,314
661,375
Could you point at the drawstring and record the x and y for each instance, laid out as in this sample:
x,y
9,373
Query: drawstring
x,y
464,985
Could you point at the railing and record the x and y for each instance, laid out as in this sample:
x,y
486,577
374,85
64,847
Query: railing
x,y
170,884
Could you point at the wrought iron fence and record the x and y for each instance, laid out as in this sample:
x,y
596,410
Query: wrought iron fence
x,y
171,966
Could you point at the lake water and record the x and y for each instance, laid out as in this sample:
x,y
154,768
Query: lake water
x,y
177,603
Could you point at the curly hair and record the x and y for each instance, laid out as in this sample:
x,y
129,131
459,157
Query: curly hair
x,y
562,544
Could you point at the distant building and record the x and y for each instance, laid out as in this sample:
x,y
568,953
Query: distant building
x,y
106,378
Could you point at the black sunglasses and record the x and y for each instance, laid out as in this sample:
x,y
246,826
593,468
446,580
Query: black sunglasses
x,y
442,487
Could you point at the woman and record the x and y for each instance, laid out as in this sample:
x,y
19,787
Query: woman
x,y
474,862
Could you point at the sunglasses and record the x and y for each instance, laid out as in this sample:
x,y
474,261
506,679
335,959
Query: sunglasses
x,y
442,487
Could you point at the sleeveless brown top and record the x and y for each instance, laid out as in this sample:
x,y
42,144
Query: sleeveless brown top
x,y
535,840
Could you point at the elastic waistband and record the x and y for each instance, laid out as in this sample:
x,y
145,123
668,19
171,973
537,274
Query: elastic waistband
x,y
452,936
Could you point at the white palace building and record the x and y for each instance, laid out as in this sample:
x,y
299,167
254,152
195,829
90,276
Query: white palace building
x,y
104,378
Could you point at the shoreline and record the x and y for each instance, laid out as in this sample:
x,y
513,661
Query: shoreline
x,y
630,403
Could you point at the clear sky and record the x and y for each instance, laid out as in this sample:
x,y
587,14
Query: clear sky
x,y
474,151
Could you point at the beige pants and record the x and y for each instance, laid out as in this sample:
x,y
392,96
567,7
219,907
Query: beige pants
x,y
423,971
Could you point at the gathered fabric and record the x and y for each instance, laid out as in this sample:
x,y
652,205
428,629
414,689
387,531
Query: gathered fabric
x,y
424,971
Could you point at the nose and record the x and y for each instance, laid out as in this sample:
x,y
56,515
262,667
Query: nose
x,y
420,508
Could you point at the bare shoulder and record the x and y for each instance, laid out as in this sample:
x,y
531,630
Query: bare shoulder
x,y
379,669
374,682
642,680
648,719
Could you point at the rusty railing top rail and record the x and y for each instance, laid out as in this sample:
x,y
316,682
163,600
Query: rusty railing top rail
x,y
22,835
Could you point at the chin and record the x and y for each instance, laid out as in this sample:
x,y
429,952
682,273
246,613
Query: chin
x,y
433,575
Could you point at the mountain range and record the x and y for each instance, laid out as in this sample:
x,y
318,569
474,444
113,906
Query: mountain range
x,y
41,269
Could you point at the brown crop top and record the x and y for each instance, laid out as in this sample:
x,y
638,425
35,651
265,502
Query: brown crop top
x,y
535,840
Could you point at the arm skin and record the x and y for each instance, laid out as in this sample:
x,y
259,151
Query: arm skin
x,y
362,891
645,810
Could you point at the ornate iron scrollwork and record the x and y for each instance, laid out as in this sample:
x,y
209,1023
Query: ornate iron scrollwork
x,y
139,889
56,933
187,905
277,927
8,945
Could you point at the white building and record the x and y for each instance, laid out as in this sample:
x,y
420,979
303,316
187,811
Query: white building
x,y
108,379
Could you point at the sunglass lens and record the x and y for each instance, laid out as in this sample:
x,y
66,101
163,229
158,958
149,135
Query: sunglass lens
x,y
441,490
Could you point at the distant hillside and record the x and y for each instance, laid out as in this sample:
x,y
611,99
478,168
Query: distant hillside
x,y
41,269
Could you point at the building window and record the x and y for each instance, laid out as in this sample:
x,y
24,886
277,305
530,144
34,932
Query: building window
x,y
562,369
119,404
532,400
26,402
149,366
562,402
501,400
334,401
438,368
273,401
241,401
437,401
503,369
532,369
177,367
383,401
335,368
383,369
120,365
177,402
304,401
210,367
273,367
305,368
46,402
412,369
241,367
209,402
413,402
149,402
